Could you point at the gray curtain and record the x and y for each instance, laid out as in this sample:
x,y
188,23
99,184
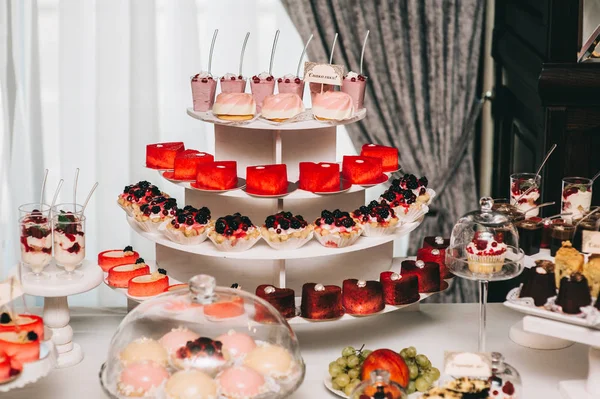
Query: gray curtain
x,y
422,63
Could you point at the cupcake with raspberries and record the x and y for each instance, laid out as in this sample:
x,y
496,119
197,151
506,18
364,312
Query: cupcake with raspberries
x,y
486,252
151,215
377,219
189,226
136,195
286,231
337,229
419,188
405,203
234,233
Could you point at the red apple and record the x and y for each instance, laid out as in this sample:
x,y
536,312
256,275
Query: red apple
x,y
386,359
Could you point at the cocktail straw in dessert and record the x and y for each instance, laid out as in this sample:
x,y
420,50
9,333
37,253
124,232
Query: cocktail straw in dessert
x,y
557,216
273,52
333,48
43,187
60,183
75,188
242,54
587,216
545,159
302,55
88,198
540,206
212,47
530,189
362,53
595,176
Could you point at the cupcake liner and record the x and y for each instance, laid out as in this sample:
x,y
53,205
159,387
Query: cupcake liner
x,y
179,237
486,263
334,240
432,195
237,245
127,209
415,211
377,231
148,226
291,243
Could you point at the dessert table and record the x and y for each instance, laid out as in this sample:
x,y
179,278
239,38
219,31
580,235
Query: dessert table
x,y
432,330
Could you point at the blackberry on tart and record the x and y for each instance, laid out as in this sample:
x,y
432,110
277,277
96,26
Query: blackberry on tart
x,y
151,215
376,219
286,231
404,202
189,226
234,233
135,195
337,229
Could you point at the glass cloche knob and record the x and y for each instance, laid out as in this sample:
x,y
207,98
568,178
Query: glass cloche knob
x,y
203,287
486,204
378,387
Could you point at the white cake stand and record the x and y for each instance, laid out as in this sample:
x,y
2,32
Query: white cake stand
x,y
56,307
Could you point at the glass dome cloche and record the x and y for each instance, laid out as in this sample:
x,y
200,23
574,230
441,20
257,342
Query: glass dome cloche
x,y
379,386
203,342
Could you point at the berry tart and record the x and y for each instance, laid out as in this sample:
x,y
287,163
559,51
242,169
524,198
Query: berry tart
x,y
399,289
22,322
377,219
321,302
428,274
336,229
286,231
282,299
189,226
117,257
186,163
388,155
150,216
22,346
360,297
405,202
201,354
267,179
362,170
270,360
148,284
218,176
241,382
162,155
119,276
141,379
573,294
486,252
234,233
319,177
417,186
434,250
135,195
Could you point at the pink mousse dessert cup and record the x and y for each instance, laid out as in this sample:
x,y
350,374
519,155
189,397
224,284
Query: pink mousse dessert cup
x,y
262,85
231,83
354,85
291,84
204,88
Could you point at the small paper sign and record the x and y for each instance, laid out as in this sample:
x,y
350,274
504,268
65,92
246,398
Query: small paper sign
x,y
323,73
468,364
10,290
590,241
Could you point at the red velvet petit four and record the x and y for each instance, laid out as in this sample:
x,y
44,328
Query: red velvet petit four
x,y
428,274
321,301
388,155
319,177
282,299
186,163
162,155
267,179
361,170
362,297
220,175
399,289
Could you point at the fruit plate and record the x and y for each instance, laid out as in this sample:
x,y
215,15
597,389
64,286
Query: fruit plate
x,y
327,383
240,184
34,371
290,189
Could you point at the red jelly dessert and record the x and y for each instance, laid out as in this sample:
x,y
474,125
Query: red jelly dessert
x,y
362,297
220,175
282,299
22,322
186,163
321,302
267,179
9,367
225,306
117,257
319,177
162,155
119,276
388,155
434,250
149,284
361,170
428,274
23,346
399,290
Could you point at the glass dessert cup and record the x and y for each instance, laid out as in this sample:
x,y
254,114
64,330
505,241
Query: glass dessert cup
x,y
27,209
291,85
590,223
261,88
481,249
203,92
576,196
316,88
35,237
355,88
560,232
69,243
66,207
530,235
209,331
232,84
525,192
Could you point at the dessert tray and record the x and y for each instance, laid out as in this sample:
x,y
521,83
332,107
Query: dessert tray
x,y
34,371
327,383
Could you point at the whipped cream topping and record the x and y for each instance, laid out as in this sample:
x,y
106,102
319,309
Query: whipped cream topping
x,y
577,203
286,231
361,283
319,287
435,251
270,290
540,270
289,76
420,264
395,277
263,75
204,74
351,75
486,245
228,76
439,240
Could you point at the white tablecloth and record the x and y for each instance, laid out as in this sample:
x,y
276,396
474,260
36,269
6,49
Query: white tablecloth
x,y
432,330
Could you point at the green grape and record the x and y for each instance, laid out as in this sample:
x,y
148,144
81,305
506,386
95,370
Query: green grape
x,y
365,353
404,353
412,351
335,386
428,377
342,362
353,373
351,387
335,370
353,361
410,362
332,363
348,351
355,381
411,387
342,380
414,371
423,362
421,384
435,373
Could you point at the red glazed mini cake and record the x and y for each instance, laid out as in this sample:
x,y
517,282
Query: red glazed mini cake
x,y
336,229
22,322
438,242
189,226
175,287
225,308
220,175
162,155
186,163
321,302
234,233
9,367
202,354
150,216
117,257
267,179
428,274
361,170
362,297
148,284
286,231
282,299
388,155
119,276
319,177
399,289
434,250
23,346
135,195
377,219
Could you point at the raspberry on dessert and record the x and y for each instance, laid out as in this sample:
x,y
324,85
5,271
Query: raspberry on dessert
x,y
203,353
232,230
336,229
189,226
138,194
